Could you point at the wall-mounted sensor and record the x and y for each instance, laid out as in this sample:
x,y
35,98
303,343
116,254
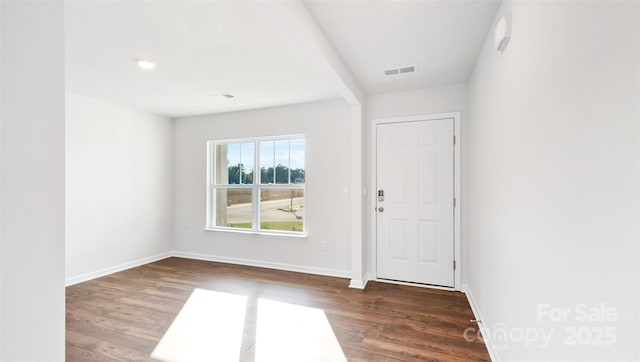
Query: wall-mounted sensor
x,y
502,33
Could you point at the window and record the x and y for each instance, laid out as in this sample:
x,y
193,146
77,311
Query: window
x,y
257,185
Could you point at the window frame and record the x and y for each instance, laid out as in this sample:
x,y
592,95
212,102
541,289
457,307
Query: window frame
x,y
256,187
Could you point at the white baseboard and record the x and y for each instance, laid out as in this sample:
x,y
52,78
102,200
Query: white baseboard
x,y
221,259
265,264
485,334
358,284
114,269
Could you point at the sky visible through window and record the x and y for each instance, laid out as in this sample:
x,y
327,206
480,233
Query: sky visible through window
x,y
243,153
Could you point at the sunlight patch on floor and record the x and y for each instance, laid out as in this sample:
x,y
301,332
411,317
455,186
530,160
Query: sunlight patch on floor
x,y
288,332
211,327
208,328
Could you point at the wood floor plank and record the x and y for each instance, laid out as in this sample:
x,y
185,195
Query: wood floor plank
x,y
124,316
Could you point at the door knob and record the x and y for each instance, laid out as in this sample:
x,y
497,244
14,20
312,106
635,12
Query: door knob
x,y
381,209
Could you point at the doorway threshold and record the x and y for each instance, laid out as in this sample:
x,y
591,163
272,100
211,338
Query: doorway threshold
x,y
413,284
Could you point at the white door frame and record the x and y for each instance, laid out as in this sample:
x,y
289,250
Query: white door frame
x,y
456,191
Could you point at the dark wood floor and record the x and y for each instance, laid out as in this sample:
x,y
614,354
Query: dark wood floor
x,y
123,316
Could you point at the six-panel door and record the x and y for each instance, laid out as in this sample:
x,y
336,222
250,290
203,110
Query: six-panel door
x,y
415,220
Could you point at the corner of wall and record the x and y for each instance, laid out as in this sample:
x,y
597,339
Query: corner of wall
x,y
486,337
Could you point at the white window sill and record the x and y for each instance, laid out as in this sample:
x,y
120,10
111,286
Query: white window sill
x,y
302,235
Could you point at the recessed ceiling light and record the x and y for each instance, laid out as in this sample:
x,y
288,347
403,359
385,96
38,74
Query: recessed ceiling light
x,y
145,64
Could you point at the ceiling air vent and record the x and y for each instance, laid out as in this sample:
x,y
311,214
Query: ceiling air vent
x,y
226,95
401,70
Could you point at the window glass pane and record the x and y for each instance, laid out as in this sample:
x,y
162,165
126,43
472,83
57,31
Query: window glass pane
x,y
297,161
246,162
266,162
233,163
222,164
234,208
282,209
282,162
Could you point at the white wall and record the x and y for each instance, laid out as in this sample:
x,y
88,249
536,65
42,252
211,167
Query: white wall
x,y
419,101
119,186
32,184
408,103
358,197
326,126
552,172
0,180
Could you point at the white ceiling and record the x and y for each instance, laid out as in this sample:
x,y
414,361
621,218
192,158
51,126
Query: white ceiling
x,y
257,52
248,49
443,38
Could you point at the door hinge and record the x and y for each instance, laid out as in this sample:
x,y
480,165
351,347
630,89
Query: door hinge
x,y
454,265
454,202
454,139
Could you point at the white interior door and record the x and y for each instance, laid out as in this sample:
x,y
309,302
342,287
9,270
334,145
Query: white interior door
x,y
415,211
